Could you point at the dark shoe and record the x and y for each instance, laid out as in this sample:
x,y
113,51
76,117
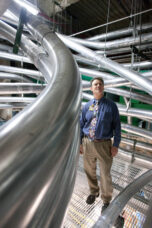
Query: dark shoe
x,y
119,223
104,207
91,198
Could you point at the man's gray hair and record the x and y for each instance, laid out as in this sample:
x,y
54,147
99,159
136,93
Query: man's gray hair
x,y
97,78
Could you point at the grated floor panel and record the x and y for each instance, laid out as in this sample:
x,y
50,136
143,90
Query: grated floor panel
x,y
79,214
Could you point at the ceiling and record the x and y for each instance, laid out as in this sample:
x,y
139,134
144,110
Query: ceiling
x,y
76,16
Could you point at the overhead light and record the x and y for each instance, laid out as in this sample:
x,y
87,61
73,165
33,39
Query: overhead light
x,y
28,6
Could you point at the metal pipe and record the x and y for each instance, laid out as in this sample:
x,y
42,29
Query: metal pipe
x,y
14,77
30,73
14,57
112,81
111,213
43,143
5,47
13,106
124,42
142,47
134,112
94,73
136,130
121,92
16,99
140,145
141,65
20,88
120,32
85,61
142,83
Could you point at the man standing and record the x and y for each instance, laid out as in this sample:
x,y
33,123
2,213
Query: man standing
x,y
99,123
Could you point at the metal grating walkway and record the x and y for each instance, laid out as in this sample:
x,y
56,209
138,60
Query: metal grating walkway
x,y
79,214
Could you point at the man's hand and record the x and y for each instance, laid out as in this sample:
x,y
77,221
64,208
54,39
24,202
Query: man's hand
x,y
81,149
114,151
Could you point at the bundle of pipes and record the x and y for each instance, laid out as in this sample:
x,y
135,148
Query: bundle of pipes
x,y
123,77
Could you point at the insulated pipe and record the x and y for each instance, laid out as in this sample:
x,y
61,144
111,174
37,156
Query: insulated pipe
x,y
7,48
145,38
142,47
14,77
109,79
13,106
14,57
142,83
121,92
120,33
30,73
94,73
133,95
43,141
140,65
111,213
140,145
137,130
20,71
20,88
16,99
132,112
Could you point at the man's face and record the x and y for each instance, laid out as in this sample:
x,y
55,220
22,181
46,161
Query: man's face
x,y
97,87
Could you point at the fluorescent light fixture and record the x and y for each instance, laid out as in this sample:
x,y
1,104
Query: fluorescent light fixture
x,y
29,6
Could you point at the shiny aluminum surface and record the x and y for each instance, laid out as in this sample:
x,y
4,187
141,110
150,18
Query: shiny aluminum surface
x,y
80,214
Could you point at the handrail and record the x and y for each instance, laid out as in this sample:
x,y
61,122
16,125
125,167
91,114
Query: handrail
x,y
38,147
111,213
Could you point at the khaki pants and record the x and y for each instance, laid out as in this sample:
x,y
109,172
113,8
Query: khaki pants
x,y
102,152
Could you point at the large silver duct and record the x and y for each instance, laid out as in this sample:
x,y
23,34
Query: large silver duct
x,y
134,65
111,213
121,92
14,57
31,73
137,130
14,77
124,42
20,88
143,83
38,147
120,33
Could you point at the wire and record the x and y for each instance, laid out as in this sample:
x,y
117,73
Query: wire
x,y
99,26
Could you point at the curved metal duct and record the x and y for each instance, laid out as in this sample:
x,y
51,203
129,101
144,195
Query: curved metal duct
x,y
20,88
38,147
14,77
124,42
142,83
31,73
120,33
121,92
137,130
14,57
111,213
